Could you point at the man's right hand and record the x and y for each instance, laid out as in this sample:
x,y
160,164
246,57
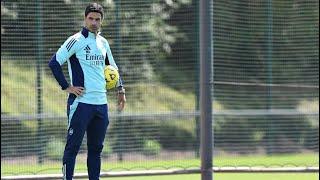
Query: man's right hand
x,y
76,90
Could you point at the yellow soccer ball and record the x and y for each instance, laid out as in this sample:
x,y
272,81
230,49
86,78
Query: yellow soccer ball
x,y
111,75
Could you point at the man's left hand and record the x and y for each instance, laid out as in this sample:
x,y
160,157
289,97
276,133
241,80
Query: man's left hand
x,y
121,101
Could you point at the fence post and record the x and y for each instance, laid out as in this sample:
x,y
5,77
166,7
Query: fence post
x,y
271,138
40,57
197,82
206,83
118,42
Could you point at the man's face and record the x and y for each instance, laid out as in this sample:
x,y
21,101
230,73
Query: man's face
x,y
93,21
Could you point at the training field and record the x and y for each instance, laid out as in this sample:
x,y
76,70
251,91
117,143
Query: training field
x,y
232,176
289,160
270,161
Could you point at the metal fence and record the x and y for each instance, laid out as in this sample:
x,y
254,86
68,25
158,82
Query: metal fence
x,y
265,96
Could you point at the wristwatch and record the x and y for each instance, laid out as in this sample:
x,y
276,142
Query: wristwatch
x,y
121,90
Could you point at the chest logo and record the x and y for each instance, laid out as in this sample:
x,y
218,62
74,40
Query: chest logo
x,y
87,49
93,58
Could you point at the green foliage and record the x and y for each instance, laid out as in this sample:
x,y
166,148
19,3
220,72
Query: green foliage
x,y
127,135
243,37
26,25
54,149
174,136
19,91
157,96
16,134
107,150
151,148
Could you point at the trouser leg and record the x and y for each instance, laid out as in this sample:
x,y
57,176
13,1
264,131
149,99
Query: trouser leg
x,y
96,132
78,119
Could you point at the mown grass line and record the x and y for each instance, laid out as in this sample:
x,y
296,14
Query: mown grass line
x,y
290,160
230,176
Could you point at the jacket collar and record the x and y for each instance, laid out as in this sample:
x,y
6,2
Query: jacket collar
x,y
86,33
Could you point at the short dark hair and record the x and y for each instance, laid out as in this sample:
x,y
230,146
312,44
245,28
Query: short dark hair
x,y
94,7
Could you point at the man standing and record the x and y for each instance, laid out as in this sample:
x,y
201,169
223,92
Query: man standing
x,y
87,53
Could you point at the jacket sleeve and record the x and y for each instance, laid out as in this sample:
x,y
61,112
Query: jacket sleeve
x,y
67,49
57,72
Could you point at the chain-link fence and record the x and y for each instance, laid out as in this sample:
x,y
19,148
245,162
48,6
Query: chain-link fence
x,y
265,91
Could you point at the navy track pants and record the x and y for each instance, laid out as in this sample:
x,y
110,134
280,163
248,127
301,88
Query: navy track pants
x,y
82,118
